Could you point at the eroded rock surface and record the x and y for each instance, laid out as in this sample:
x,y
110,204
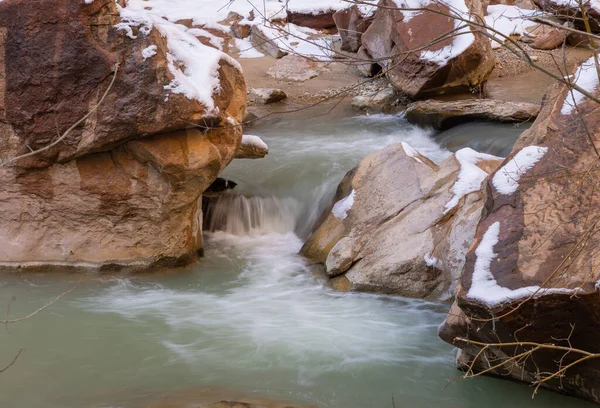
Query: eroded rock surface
x,y
403,235
531,274
124,187
445,114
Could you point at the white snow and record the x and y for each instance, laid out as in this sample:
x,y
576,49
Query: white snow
x,y
149,52
506,180
340,209
508,20
470,176
586,77
251,140
247,49
411,152
89,1
298,40
194,66
432,261
485,288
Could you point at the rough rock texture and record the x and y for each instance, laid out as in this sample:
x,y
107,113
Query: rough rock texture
x,y
547,237
318,21
444,115
351,24
266,95
544,37
392,234
392,39
295,68
386,101
124,187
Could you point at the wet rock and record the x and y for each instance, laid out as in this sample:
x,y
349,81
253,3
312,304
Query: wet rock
x,y
351,24
386,101
295,68
460,64
444,115
267,95
531,272
251,147
317,20
123,189
402,235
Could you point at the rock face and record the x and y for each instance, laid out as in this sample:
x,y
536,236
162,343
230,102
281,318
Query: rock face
x,y
444,115
402,235
124,188
533,263
316,20
351,24
454,65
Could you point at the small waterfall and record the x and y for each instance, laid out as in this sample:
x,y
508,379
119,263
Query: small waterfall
x,y
237,214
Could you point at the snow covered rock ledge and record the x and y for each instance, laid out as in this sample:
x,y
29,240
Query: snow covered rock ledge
x,y
402,235
123,189
405,44
535,253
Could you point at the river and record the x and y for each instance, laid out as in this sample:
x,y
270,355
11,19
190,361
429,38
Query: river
x,y
251,320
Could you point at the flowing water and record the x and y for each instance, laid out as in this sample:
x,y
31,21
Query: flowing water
x,y
251,320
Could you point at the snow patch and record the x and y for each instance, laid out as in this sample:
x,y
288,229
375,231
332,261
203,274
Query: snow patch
x,y
247,49
251,140
470,176
341,208
586,77
411,152
432,261
506,180
149,52
485,288
508,20
194,66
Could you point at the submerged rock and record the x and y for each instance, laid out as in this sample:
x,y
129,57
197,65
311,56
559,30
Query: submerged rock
x,y
531,273
459,64
403,235
123,189
446,114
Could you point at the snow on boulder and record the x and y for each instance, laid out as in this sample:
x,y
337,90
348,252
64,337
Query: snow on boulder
x,y
404,235
532,267
419,53
251,147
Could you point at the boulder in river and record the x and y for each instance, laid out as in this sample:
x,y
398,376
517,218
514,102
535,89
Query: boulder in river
x,y
251,147
385,100
446,114
403,235
418,59
267,95
123,188
531,275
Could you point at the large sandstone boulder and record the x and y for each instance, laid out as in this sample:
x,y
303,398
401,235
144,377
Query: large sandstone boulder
x,y
532,271
402,235
124,187
407,45
445,114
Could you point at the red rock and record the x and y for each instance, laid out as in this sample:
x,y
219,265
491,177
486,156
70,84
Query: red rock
x,y
318,21
547,237
124,188
392,38
351,24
